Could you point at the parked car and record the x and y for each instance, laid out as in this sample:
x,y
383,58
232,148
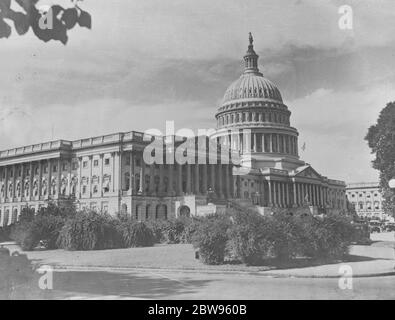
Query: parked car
x,y
389,226
363,232
375,226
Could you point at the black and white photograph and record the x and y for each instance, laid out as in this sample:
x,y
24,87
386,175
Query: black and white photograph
x,y
214,151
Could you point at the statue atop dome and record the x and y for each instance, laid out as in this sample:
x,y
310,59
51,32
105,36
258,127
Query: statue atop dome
x,y
251,38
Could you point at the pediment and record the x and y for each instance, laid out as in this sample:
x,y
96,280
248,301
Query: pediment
x,y
307,172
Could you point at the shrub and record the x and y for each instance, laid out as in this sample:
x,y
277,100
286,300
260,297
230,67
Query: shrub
x,y
172,231
254,237
89,230
5,233
248,237
28,233
211,238
160,231
136,234
284,234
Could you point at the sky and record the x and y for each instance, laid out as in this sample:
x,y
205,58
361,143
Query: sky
x,y
148,61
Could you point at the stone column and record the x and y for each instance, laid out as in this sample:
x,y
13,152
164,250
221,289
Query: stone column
x,y
188,186
196,179
90,176
179,180
59,178
40,173
263,142
152,179
131,173
283,194
295,201
322,196
101,164
231,182
79,176
161,180
275,194
5,183
49,191
270,142
269,183
278,143
22,182
170,172
255,143
288,202
220,184
113,171
212,176
226,189
204,177
70,164
142,176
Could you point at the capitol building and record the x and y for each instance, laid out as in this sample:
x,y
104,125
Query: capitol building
x,y
109,173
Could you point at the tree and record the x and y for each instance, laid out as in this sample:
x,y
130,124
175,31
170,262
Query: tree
x,y
381,140
50,23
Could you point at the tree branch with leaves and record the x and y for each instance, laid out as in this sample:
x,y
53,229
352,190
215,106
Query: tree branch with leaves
x,y
51,23
381,140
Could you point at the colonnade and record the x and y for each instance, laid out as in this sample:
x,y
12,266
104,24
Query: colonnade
x,y
260,142
183,179
253,117
286,194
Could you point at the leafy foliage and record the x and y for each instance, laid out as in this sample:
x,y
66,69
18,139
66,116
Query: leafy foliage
x,y
5,233
62,19
256,238
89,230
136,234
381,140
31,229
211,238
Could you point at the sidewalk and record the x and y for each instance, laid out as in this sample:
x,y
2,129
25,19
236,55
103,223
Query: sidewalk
x,y
368,261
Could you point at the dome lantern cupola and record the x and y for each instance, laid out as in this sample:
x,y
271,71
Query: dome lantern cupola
x,y
251,58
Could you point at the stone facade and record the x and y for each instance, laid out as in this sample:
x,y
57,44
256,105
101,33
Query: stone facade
x,y
254,120
366,199
109,173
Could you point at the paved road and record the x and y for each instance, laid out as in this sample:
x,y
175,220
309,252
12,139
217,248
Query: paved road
x,y
169,285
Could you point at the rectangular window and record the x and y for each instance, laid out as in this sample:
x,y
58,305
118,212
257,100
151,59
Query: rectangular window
x,y
75,165
64,167
54,168
85,164
107,161
96,163
127,161
45,169
84,189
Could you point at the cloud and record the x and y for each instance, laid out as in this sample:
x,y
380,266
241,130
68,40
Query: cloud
x,y
333,126
147,61
95,118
